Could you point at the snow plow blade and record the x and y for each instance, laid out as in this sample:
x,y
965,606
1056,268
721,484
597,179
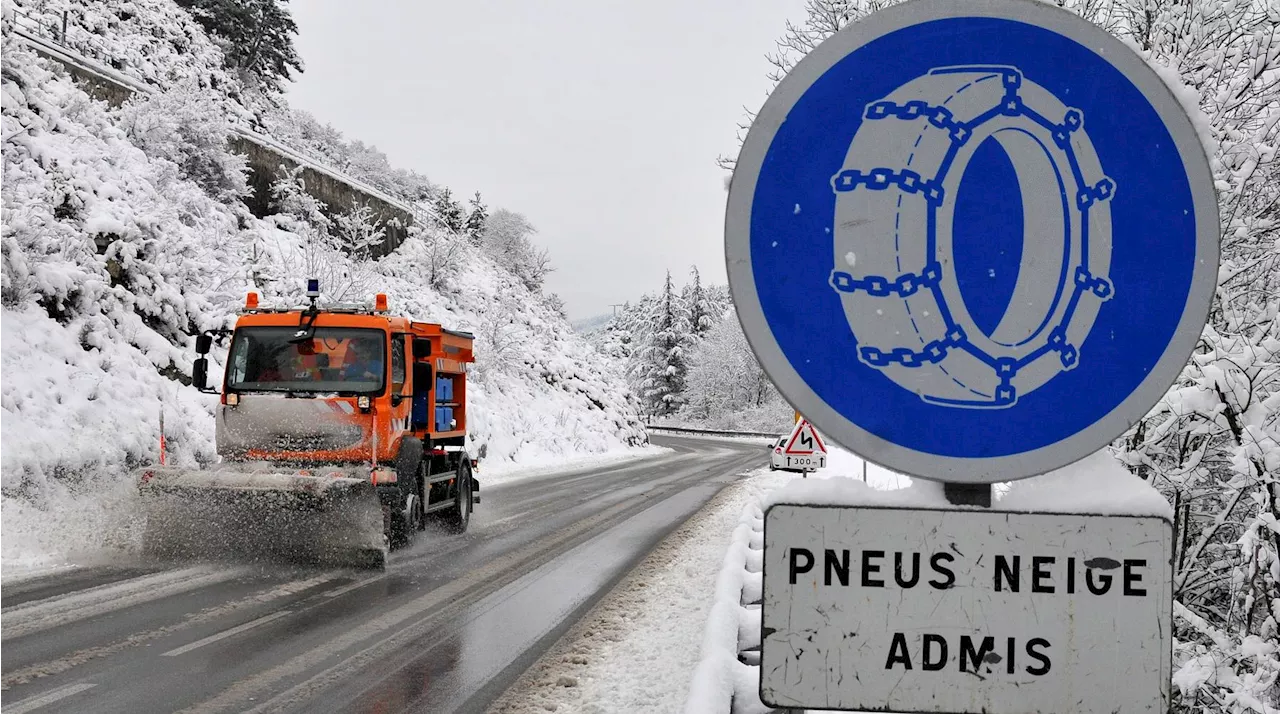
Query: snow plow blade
x,y
334,518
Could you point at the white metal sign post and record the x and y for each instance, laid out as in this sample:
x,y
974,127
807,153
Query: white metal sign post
x,y
973,242
958,611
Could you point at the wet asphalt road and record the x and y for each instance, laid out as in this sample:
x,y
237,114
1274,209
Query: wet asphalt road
x,y
447,627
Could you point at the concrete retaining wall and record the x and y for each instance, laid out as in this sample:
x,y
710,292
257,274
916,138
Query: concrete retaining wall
x,y
266,157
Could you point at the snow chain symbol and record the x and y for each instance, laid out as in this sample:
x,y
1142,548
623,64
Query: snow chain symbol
x,y
895,207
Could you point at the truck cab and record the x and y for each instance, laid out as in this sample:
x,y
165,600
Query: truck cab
x,y
346,399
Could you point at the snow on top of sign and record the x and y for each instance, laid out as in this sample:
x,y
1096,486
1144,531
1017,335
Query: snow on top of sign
x,y
849,490
1097,484
1094,484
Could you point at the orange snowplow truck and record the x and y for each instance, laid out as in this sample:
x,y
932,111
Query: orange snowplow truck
x,y
340,430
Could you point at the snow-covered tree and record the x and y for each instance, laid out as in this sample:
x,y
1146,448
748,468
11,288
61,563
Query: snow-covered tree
x,y
441,259
337,251
726,380
476,218
507,236
448,213
256,37
702,314
629,333
188,126
358,232
663,359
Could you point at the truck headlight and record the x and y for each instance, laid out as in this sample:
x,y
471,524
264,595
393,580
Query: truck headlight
x,y
363,402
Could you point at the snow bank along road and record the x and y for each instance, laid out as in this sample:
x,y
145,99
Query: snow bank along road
x,y
449,625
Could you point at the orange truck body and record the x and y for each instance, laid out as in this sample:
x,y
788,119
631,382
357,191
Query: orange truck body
x,y
388,421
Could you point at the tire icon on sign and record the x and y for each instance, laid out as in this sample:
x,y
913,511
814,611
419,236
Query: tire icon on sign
x,y
893,237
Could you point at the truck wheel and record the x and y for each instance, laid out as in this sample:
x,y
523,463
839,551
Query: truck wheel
x,y
457,518
409,519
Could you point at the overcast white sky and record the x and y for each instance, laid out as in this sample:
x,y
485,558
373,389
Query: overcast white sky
x,y
600,121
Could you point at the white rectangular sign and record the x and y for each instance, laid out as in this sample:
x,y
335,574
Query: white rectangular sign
x,y
916,610
812,462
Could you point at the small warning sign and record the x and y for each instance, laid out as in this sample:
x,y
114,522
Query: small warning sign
x,y
804,440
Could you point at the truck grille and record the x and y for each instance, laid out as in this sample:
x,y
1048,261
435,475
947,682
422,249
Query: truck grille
x,y
314,442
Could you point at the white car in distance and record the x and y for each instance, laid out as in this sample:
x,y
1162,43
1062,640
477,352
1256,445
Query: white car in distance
x,y
779,460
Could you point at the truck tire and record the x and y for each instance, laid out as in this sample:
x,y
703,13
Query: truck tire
x,y
457,518
409,519
407,515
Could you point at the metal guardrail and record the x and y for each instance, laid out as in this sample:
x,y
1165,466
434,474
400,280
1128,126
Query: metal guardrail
x,y
711,432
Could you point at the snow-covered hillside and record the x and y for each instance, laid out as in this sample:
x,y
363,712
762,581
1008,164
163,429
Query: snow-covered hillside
x,y
115,257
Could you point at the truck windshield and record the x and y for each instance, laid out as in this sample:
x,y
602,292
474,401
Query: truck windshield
x,y
336,359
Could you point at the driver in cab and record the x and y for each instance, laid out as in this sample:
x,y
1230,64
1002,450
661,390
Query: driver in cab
x,y
361,363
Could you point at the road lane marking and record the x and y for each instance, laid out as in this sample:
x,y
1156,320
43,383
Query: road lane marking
x,y
44,700
79,657
29,618
352,586
226,633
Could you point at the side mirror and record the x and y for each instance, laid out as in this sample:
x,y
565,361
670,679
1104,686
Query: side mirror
x,y
200,373
203,342
421,348
421,376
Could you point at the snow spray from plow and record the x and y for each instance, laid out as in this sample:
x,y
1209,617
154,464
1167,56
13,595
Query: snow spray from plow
x,y
254,512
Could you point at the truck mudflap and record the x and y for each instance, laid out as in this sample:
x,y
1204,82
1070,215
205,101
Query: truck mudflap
x,y
328,516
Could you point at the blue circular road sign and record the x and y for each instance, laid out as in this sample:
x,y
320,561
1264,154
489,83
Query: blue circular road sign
x,y
972,242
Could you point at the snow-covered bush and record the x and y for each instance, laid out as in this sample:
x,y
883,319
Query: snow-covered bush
x,y
188,126
507,238
154,41
111,261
